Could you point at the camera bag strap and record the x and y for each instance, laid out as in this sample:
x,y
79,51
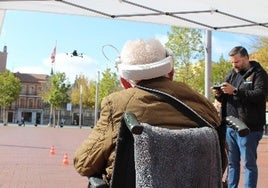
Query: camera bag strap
x,y
179,105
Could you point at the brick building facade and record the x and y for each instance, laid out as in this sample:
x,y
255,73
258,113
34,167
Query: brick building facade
x,y
30,105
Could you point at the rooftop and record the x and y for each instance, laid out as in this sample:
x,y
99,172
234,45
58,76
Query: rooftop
x,y
31,78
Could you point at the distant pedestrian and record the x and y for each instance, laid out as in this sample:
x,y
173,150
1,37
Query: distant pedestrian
x,y
62,122
35,123
22,121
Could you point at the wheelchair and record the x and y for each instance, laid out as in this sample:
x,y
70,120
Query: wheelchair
x,y
149,156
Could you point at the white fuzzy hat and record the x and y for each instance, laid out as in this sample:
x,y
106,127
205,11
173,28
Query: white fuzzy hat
x,y
142,60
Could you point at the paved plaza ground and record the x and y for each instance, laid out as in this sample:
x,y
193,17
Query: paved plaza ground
x,y
25,160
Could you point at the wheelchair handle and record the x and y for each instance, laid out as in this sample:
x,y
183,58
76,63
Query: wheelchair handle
x,y
132,123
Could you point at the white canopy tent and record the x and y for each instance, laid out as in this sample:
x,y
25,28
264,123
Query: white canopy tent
x,y
240,16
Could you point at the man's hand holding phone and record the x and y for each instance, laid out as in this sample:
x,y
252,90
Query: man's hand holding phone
x,y
216,88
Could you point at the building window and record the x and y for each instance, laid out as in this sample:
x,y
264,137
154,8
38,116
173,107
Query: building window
x,y
22,103
23,89
39,103
39,89
31,90
30,103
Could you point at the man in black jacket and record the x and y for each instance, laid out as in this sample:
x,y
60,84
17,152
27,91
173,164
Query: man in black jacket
x,y
243,95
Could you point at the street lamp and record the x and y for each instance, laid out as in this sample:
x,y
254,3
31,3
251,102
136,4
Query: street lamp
x,y
80,104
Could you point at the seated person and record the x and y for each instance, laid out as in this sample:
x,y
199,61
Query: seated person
x,y
146,63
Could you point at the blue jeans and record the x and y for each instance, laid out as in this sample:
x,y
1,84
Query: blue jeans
x,y
246,147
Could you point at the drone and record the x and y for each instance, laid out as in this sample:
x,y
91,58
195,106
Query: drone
x,y
75,54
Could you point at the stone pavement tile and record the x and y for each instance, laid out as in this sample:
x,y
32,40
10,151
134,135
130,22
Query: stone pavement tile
x,y
25,161
263,163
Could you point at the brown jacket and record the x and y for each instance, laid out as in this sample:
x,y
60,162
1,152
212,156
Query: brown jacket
x,y
96,154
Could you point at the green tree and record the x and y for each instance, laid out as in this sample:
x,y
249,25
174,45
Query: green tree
x,y
196,82
261,52
58,93
87,92
45,92
220,69
109,83
187,46
92,98
10,88
188,49
45,96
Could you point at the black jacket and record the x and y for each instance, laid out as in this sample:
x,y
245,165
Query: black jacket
x,y
250,101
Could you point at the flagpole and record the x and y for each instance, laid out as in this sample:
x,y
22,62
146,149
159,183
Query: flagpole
x,y
53,59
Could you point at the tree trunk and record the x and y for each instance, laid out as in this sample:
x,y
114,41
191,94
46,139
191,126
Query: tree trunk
x,y
4,116
54,119
58,121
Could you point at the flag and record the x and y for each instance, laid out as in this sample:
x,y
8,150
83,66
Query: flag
x,y
53,55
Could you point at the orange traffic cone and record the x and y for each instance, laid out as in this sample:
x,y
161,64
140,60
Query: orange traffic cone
x,y
52,150
65,160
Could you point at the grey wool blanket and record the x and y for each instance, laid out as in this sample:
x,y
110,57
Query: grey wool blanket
x,y
188,158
